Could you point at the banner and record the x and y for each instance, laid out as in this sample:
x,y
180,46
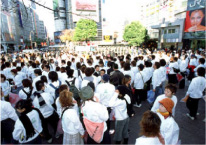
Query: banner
x,y
56,8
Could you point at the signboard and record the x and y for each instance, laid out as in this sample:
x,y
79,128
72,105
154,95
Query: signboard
x,y
107,38
195,20
85,9
57,37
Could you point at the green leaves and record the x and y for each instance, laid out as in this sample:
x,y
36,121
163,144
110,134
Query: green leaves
x,y
134,33
85,30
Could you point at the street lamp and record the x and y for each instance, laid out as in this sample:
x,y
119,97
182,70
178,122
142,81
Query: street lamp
x,y
31,39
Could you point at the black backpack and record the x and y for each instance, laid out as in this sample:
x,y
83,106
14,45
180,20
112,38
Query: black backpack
x,y
56,89
130,110
73,89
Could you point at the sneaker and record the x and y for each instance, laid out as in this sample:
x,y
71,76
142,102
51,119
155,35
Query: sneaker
x,y
188,115
135,105
198,113
111,131
139,105
50,140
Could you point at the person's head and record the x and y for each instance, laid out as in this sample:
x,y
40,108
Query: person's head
x,y
156,65
162,62
166,105
14,72
127,66
27,83
115,66
44,79
86,93
97,68
141,67
63,62
201,71
202,61
150,124
40,85
196,17
46,68
57,68
14,64
70,73
63,87
102,72
3,78
53,76
63,69
65,99
105,78
78,65
23,105
133,63
126,80
170,90
88,71
8,64
37,72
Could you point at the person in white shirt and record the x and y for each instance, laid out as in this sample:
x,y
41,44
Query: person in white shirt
x,y
7,71
183,70
8,118
201,64
172,78
24,76
127,71
93,113
46,70
17,81
148,72
157,80
150,130
5,87
169,129
28,127
169,92
44,102
118,102
163,73
194,93
89,78
26,92
134,69
38,74
139,86
71,125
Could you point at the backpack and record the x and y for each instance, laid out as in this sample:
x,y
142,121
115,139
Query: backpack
x,y
28,94
73,89
130,110
56,89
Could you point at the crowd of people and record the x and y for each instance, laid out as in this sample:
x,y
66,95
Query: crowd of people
x,y
81,93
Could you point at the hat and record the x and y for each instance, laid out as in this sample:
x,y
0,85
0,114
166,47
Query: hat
x,y
167,103
105,77
86,93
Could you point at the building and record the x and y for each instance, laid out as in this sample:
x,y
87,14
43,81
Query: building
x,y
68,12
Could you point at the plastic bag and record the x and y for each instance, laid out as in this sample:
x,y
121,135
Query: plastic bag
x,y
150,96
13,99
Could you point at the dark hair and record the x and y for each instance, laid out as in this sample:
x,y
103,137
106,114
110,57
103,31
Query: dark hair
x,y
27,83
171,87
126,79
63,87
18,68
157,64
63,69
33,65
203,20
44,79
150,124
14,71
141,67
201,71
134,63
27,104
63,61
7,64
88,71
47,66
3,76
38,71
53,76
69,63
162,62
202,60
115,66
57,68
127,66
14,64
39,85
96,66
103,70
70,73
78,65
65,98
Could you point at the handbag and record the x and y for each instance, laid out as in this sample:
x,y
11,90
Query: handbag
x,y
145,84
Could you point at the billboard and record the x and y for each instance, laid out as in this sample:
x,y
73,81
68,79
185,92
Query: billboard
x,y
57,37
195,20
56,8
85,9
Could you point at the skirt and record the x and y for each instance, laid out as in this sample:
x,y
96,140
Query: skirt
x,y
72,139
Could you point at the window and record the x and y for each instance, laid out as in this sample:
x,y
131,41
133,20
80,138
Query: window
x,y
165,31
170,31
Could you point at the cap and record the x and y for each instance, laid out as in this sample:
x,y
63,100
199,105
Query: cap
x,y
105,77
168,104
86,93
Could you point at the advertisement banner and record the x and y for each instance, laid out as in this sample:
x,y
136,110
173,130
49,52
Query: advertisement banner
x,y
195,4
107,38
56,8
57,37
85,9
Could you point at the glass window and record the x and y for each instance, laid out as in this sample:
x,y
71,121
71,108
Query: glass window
x,y
165,31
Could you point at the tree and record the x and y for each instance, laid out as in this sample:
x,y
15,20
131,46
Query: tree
x,y
85,30
134,33
67,35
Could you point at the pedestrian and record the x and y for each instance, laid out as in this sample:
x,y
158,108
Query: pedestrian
x,y
150,130
169,129
71,125
194,93
17,81
27,91
5,88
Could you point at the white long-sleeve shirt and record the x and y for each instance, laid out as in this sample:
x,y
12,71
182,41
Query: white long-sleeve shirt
x,y
19,132
196,87
6,88
148,141
8,74
139,80
23,96
163,75
173,65
51,90
105,91
18,80
7,111
46,110
130,73
169,129
147,73
156,78
156,104
71,123
120,106
183,65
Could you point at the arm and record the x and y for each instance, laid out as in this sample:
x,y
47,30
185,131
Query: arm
x,y
77,123
18,131
114,102
11,112
191,88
